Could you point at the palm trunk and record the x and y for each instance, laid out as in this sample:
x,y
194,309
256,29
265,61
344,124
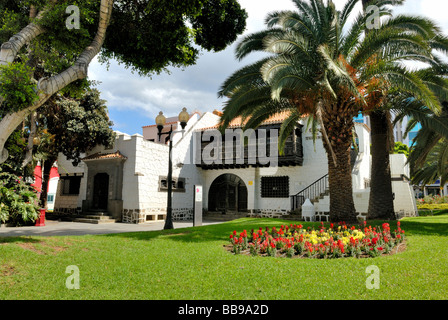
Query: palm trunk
x,y
381,201
338,121
342,206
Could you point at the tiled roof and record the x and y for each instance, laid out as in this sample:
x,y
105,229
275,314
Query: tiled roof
x,y
103,156
238,122
166,124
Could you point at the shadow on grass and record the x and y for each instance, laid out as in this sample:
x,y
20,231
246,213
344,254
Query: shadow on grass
x,y
221,231
420,226
19,239
213,232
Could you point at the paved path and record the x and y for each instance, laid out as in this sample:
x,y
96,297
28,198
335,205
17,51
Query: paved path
x,y
56,228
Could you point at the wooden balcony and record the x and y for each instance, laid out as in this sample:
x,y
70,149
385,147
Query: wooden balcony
x,y
249,155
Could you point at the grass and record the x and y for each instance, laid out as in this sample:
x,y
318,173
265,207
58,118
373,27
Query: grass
x,y
191,264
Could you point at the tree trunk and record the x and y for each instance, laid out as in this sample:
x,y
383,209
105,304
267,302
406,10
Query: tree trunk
x,y
336,128
381,201
29,147
342,206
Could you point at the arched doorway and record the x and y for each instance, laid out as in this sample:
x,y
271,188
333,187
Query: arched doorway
x,y
100,191
228,193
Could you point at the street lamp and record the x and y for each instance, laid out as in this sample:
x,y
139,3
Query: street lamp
x,y
160,122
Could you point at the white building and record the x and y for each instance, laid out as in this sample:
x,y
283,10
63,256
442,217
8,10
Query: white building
x,y
129,181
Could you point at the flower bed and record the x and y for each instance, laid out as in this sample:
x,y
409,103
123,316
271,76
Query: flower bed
x,y
326,242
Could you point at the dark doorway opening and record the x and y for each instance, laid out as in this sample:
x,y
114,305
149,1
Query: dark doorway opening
x,y
228,193
100,191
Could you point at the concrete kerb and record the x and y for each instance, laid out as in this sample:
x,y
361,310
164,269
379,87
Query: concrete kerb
x,y
58,228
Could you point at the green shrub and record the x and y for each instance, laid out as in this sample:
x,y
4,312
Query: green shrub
x,y
433,200
434,206
18,200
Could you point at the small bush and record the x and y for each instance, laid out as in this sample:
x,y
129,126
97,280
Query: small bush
x,y
18,200
435,206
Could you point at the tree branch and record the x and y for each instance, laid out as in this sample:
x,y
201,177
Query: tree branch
x,y
47,87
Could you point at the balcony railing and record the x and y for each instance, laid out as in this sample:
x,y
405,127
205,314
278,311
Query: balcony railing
x,y
253,153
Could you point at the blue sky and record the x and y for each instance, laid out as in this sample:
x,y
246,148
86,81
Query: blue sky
x,y
134,101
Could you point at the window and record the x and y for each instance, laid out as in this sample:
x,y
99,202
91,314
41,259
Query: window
x,y
70,185
178,184
275,187
50,198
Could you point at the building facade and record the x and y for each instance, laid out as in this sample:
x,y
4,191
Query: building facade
x,y
240,172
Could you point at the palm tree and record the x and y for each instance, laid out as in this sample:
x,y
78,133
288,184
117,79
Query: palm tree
x,y
428,158
317,70
435,167
381,204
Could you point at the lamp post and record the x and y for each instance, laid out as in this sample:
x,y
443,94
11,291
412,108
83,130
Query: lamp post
x,y
160,122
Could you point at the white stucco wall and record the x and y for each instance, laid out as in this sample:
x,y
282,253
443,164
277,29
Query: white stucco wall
x,y
363,163
404,202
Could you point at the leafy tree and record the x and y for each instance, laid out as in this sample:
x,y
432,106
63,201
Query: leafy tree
x,y
316,69
147,36
71,127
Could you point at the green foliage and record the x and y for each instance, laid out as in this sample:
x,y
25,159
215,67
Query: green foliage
x,y
77,125
17,199
66,44
10,23
433,200
435,206
150,36
16,87
436,163
401,148
218,23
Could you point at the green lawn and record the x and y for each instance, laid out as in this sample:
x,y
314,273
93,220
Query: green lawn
x,y
191,263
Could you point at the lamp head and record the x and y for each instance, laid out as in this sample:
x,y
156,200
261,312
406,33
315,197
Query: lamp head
x,y
160,121
183,118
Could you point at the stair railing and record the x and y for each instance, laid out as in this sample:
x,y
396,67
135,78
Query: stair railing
x,y
311,192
